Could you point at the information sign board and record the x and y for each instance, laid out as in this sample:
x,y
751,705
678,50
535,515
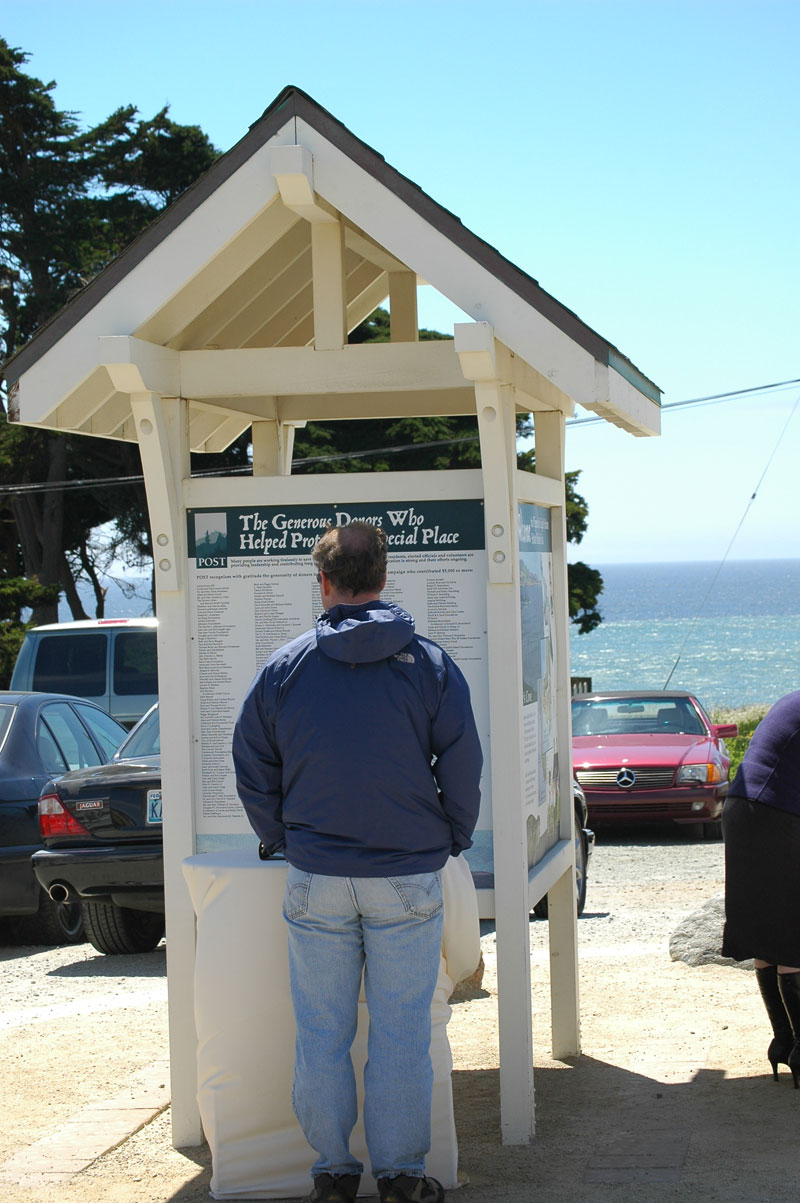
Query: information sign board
x,y
253,588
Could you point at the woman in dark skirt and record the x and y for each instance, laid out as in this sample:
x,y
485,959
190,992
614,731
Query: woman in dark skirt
x,y
761,829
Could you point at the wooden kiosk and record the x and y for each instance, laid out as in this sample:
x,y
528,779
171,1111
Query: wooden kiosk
x,y
232,312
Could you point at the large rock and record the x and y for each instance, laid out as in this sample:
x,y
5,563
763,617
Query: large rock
x,y
697,939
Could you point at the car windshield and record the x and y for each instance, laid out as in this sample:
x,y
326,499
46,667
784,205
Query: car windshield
x,y
636,716
6,715
143,740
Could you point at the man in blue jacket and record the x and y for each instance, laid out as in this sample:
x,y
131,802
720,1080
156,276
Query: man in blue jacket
x,y
357,757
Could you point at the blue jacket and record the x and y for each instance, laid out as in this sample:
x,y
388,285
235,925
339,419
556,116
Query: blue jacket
x,y
356,751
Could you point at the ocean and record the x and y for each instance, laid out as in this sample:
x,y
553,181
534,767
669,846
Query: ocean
x,y
738,641
736,638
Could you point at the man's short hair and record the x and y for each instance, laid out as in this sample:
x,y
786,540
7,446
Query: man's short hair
x,y
353,557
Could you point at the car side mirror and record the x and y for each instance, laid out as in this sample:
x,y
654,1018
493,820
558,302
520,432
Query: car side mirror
x,y
726,730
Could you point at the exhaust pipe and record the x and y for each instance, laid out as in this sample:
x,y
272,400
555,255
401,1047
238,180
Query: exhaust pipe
x,y
59,892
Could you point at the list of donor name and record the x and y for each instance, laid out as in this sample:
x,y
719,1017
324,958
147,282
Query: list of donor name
x,y
245,608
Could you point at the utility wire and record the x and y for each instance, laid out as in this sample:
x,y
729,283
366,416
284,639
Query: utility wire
x,y
733,540
108,481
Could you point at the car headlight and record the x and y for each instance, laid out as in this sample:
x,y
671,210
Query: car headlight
x,y
699,774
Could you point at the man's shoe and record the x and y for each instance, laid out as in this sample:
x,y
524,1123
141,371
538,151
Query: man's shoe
x,y
330,1189
407,1189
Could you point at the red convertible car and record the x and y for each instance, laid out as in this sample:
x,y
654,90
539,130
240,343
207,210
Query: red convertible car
x,y
650,755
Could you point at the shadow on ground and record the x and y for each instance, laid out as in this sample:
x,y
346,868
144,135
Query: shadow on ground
x,y
616,1134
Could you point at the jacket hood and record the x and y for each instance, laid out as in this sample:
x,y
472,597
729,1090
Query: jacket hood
x,y
363,634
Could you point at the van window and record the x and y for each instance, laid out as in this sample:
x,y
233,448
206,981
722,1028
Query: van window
x,y
71,664
135,663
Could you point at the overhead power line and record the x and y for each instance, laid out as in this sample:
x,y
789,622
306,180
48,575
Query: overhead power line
x,y
245,470
734,537
711,399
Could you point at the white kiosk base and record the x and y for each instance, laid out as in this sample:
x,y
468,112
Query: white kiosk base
x,y
245,1027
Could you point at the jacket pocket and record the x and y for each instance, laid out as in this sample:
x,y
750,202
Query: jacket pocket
x,y
420,893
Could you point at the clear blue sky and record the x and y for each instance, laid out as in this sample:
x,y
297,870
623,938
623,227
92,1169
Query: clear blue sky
x,y
639,159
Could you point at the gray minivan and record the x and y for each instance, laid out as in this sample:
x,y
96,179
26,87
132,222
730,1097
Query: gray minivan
x,y
110,660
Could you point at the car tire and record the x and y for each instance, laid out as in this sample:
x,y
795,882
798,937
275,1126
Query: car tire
x,y
115,930
54,923
693,831
581,860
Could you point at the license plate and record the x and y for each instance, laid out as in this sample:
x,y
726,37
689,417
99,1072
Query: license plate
x,y
154,806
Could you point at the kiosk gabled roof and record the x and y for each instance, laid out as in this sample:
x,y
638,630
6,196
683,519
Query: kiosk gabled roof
x,y
227,266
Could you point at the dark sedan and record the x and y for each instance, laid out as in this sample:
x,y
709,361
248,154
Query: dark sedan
x,y
103,848
652,755
41,735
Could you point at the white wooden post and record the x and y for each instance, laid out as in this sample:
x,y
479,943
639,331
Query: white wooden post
x,y
404,322
496,425
564,998
273,443
330,306
163,432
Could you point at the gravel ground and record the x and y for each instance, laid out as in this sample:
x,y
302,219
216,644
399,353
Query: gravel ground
x,y
669,1101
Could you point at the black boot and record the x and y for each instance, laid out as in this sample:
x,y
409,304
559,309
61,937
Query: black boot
x,y
783,1042
789,986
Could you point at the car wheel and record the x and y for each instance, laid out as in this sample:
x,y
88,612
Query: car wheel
x,y
114,930
581,858
55,923
694,831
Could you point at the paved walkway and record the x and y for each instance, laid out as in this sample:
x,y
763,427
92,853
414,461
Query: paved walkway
x,y
90,1133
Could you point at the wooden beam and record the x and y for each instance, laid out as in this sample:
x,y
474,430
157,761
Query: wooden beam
x,y
365,368
248,294
403,307
292,322
165,326
273,443
204,425
330,303
136,365
329,407
253,409
291,326
221,439
263,315
86,400
108,421
367,248
361,306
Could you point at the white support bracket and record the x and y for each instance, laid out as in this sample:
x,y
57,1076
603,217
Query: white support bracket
x,y
162,492
293,169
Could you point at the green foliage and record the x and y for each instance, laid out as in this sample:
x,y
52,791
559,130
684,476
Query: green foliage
x,y
420,444
17,594
747,719
70,200
585,585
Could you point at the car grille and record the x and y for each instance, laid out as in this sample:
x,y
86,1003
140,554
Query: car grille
x,y
606,778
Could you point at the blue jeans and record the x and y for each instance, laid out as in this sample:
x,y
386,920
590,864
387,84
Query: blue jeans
x,y
391,929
